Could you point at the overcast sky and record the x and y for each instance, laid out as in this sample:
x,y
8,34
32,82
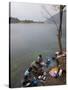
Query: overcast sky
x,y
32,11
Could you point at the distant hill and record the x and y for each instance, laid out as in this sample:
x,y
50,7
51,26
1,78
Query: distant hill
x,y
13,20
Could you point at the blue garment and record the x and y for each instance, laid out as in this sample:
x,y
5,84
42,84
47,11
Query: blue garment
x,y
48,61
34,82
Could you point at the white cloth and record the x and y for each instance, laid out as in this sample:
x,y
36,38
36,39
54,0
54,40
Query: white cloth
x,y
26,72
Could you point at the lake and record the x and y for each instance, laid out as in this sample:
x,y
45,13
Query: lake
x,y
29,40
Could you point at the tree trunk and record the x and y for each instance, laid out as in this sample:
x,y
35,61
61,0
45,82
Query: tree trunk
x,y
59,43
60,30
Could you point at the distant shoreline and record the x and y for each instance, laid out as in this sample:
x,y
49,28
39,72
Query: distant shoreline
x,y
27,23
16,20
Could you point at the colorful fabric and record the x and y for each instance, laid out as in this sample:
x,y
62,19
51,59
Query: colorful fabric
x,y
54,71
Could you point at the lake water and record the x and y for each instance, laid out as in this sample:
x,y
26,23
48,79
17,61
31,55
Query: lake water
x,y
29,40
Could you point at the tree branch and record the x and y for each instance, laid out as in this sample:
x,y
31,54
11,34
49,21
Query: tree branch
x,y
51,16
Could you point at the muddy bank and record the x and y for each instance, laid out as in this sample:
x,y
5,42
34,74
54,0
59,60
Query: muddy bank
x,y
49,80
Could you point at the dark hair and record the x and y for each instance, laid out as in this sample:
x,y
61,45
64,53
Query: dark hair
x,y
30,68
40,55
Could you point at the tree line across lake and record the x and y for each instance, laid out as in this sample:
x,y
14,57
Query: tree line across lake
x,y
16,20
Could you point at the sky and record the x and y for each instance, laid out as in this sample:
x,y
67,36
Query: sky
x,y
32,11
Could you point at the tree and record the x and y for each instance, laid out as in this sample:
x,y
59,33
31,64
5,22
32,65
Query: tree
x,y
59,30
59,35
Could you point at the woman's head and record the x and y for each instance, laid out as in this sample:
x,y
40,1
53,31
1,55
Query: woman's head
x,y
40,55
39,58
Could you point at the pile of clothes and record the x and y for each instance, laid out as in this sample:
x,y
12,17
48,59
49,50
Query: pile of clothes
x,y
35,74
56,71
